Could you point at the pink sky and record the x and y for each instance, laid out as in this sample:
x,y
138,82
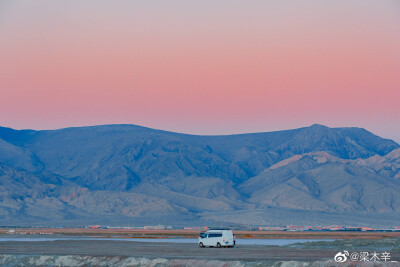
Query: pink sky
x,y
201,67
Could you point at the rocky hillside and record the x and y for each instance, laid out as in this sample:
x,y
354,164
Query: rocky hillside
x,y
124,173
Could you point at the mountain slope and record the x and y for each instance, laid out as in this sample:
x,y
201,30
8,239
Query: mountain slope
x,y
126,154
316,182
114,172
387,165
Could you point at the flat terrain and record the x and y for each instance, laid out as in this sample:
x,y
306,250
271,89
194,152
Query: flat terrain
x,y
162,250
138,233
123,253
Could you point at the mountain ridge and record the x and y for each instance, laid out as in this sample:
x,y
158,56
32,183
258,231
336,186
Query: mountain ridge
x,y
123,172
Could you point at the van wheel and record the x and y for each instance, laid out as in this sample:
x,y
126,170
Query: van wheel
x,y
201,245
218,245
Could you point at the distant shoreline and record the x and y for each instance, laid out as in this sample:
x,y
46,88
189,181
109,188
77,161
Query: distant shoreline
x,y
140,233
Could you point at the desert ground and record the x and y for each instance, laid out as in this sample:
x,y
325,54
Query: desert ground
x,y
104,252
122,253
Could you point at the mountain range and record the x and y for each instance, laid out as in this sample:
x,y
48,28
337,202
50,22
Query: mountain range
x,y
128,174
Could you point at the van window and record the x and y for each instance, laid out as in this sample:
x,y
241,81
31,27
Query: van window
x,y
214,235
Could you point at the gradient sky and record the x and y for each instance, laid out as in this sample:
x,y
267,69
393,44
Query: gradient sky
x,y
201,67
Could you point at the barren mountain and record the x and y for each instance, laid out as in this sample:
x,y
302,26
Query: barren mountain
x,y
124,173
322,182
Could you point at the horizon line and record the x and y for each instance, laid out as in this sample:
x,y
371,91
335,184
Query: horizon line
x,y
186,133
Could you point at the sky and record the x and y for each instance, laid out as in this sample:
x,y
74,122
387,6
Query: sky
x,y
201,67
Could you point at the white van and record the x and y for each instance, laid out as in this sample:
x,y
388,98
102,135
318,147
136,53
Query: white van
x,y
217,238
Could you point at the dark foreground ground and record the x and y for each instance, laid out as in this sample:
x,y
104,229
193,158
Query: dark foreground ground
x,y
161,250
117,253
